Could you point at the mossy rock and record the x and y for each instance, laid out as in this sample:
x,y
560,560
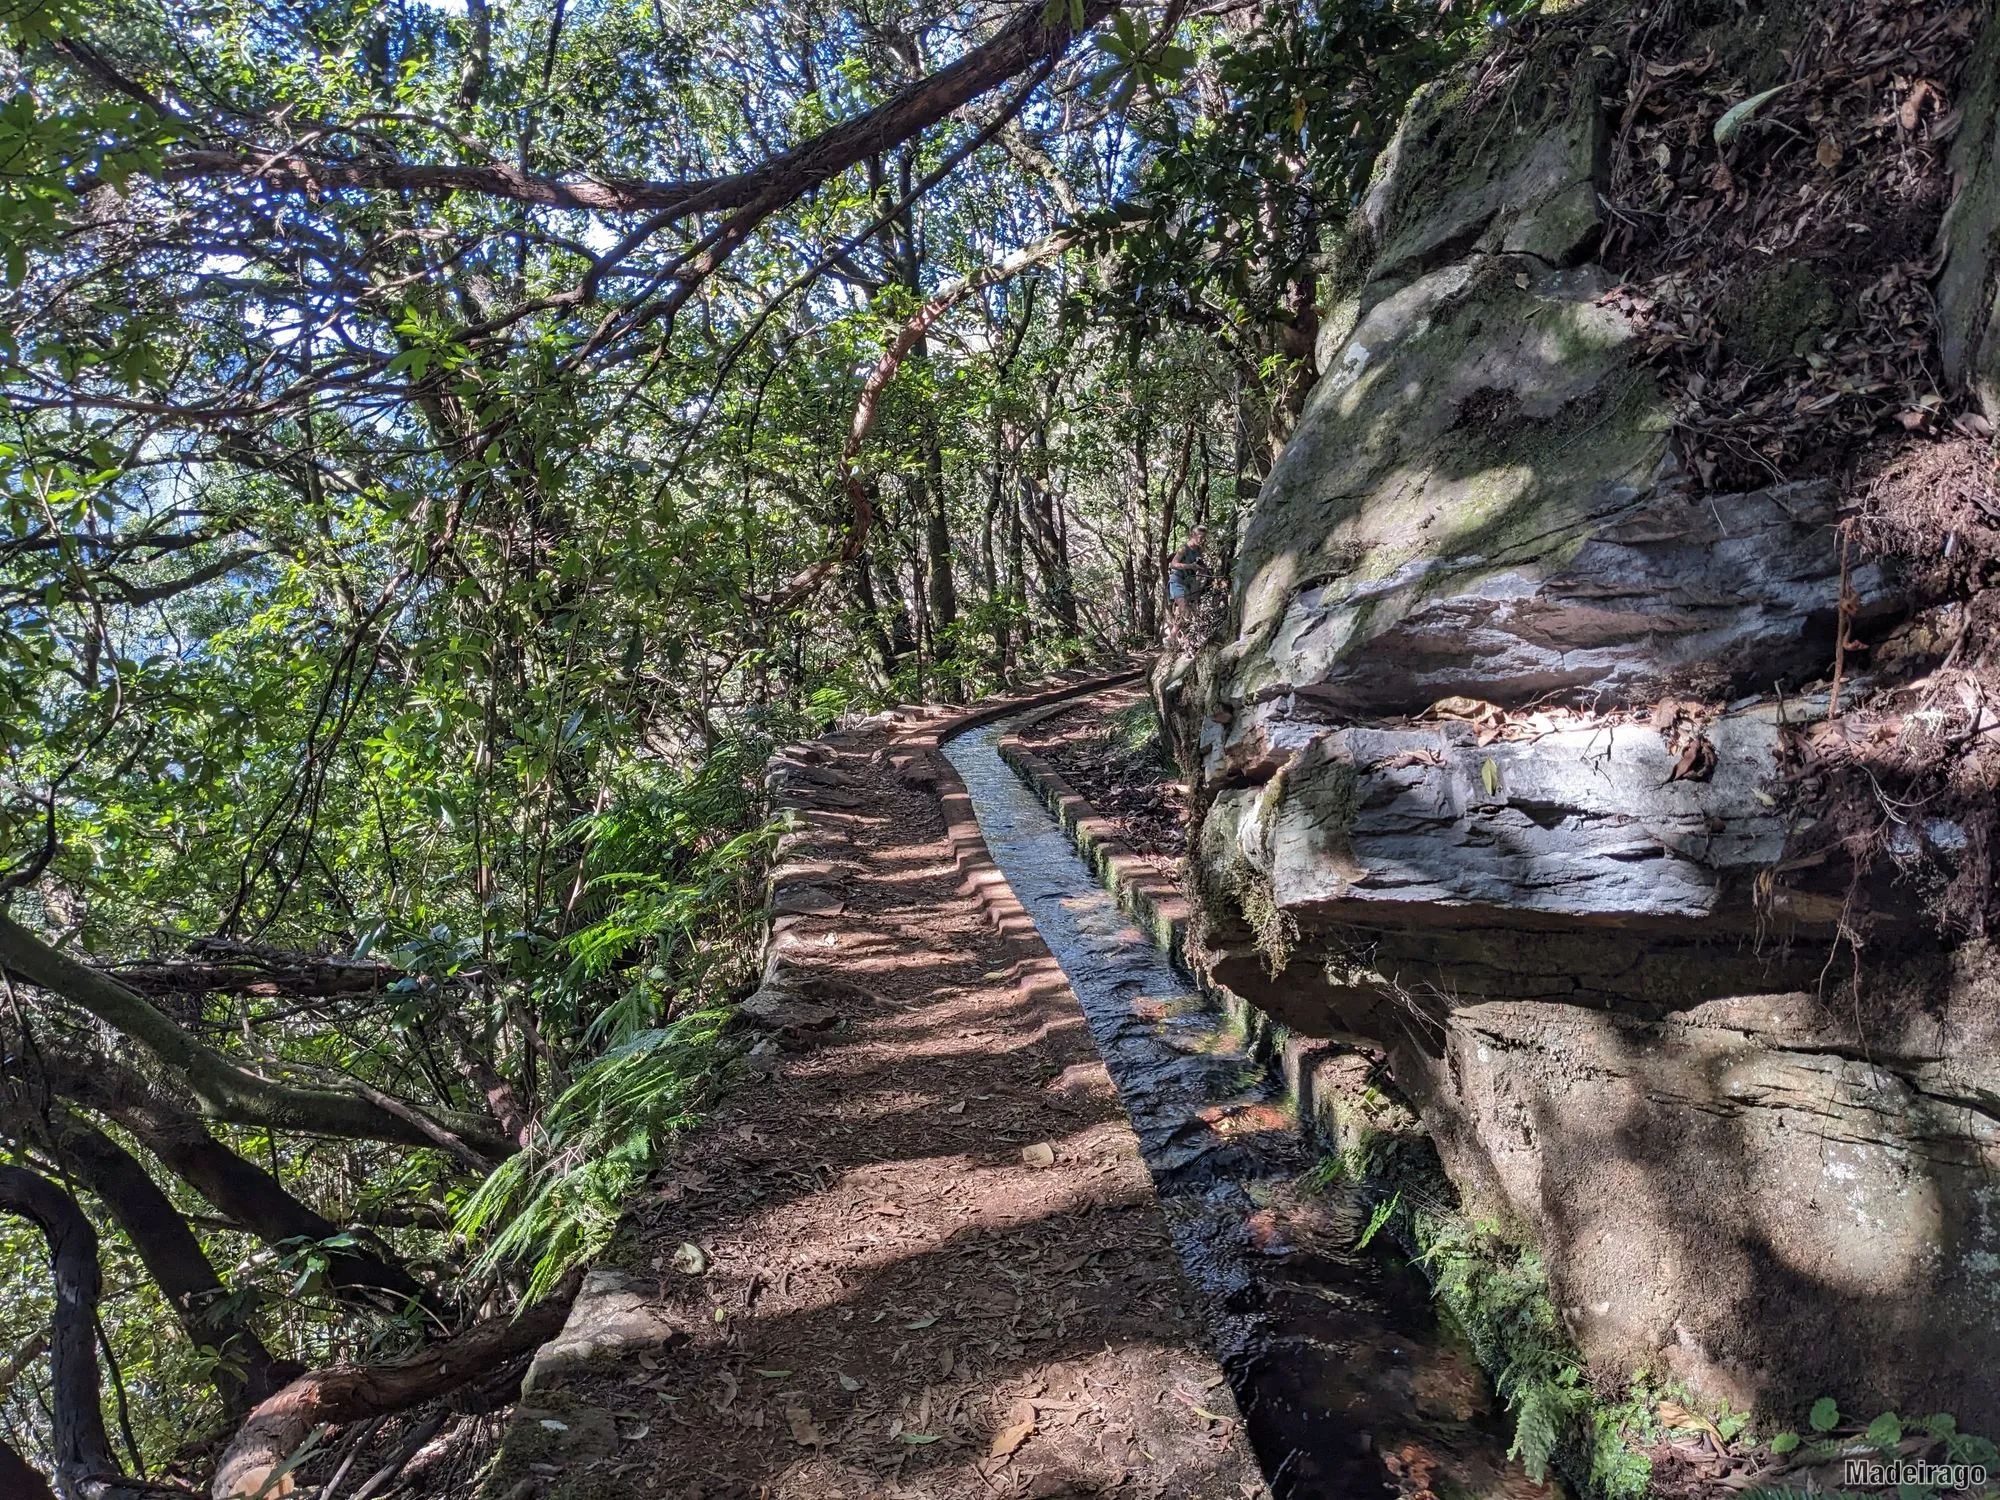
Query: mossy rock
x,y
557,1432
1483,418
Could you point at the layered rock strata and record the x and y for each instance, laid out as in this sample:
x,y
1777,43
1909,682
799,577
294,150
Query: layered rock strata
x,y
1624,1013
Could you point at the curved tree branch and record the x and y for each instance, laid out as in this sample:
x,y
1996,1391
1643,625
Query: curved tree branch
x,y
85,1469
350,1393
1037,31
19,1479
245,1373
238,1188
226,1091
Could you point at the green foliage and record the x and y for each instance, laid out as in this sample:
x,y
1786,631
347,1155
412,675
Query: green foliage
x,y
668,891
1137,728
387,575
1350,1167
1383,1213
1497,1294
1887,1434
1231,208
1273,930
558,1201
1886,1431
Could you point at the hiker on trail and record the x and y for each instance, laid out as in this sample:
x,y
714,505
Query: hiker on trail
x,y
1184,577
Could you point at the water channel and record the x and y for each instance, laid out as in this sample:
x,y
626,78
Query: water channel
x,y
1349,1386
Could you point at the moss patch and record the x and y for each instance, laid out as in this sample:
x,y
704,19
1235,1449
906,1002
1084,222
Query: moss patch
x,y
558,1432
1783,314
1272,929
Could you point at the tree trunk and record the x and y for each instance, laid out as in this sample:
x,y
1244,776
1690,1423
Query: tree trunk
x,y
85,1469
1059,589
937,535
1169,519
863,583
18,1479
1145,614
245,1373
990,544
1017,583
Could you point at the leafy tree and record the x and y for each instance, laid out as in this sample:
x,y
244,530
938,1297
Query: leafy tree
x,y
444,449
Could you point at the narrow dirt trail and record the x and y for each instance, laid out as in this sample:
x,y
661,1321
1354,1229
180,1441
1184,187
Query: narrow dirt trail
x,y
920,1256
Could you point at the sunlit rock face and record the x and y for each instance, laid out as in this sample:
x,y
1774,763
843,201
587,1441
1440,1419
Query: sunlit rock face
x,y
1739,1198
1481,497
1583,949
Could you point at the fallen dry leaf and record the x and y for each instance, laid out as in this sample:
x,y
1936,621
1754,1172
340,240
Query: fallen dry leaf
x,y
1020,1427
1913,107
1408,758
1696,763
805,1432
1474,709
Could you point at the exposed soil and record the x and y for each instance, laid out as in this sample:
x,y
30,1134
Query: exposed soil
x,y
1782,270
1136,787
931,1262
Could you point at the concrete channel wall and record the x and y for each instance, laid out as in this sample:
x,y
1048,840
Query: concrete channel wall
x,y
1321,1076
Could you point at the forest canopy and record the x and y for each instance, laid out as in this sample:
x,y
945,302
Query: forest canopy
x,y
446,447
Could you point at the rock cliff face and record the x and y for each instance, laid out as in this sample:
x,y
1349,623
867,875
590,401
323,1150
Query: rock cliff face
x,y
1494,767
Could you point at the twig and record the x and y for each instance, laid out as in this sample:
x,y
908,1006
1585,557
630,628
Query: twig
x,y
383,1477
443,1138
1845,613
362,1437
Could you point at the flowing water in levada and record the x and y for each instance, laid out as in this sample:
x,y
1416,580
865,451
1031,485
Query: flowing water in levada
x,y
1348,1384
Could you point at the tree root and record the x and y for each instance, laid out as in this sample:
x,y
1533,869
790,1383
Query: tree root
x,y
279,1428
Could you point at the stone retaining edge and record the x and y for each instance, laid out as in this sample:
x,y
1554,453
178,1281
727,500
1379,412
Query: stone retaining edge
x,y
918,732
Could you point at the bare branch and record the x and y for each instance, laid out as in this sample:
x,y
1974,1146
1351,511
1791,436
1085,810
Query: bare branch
x,y
227,1092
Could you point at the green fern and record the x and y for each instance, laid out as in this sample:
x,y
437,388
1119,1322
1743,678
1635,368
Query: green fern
x,y
1498,1295
558,1202
664,908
